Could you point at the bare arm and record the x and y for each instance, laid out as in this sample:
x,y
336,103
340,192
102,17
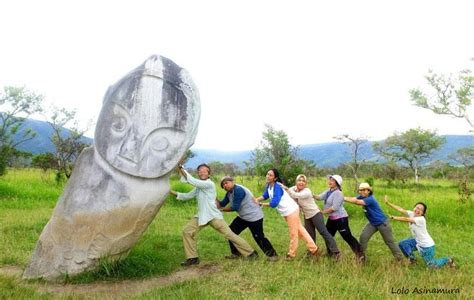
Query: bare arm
x,y
354,200
403,219
316,197
398,208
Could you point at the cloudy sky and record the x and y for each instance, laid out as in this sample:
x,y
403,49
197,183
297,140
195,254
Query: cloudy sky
x,y
315,69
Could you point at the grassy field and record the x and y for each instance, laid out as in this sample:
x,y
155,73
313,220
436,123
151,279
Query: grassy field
x,y
27,198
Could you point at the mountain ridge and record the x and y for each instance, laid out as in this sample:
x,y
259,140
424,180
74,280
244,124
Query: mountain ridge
x,y
328,154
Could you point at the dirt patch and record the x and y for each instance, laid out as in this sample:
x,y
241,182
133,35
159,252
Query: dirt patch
x,y
113,290
117,290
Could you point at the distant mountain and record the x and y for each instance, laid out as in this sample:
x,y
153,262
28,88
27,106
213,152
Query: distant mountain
x,y
203,155
324,155
334,154
41,143
329,154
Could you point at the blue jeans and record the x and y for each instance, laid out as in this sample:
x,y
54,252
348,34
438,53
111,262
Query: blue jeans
x,y
408,246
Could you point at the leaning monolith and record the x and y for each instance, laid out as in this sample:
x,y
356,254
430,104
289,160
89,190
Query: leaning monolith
x,y
148,121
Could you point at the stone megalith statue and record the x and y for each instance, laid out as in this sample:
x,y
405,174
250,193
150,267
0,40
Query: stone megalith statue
x,y
148,121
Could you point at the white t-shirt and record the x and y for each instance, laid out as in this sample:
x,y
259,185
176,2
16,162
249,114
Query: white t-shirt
x,y
287,205
419,231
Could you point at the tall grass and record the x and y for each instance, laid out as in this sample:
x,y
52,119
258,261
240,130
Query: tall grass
x,y
27,198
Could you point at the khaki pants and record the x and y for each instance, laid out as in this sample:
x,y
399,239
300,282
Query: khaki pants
x,y
191,230
296,229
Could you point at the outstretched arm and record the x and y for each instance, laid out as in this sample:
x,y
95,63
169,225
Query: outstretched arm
x,y
396,207
354,200
403,219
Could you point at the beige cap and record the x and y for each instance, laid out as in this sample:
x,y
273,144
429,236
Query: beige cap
x,y
224,179
364,185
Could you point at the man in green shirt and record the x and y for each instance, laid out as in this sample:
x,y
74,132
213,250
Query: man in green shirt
x,y
208,214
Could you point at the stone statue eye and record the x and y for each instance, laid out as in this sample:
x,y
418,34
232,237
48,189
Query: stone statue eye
x,y
120,121
119,124
164,139
159,143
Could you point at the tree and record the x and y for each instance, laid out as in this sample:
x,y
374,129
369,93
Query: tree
x,y
275,151
69,143
355,145
413,147
45,161
16,104
464,156
391,172
451,96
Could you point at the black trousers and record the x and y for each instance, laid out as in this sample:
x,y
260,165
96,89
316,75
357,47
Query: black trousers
x,y
342,225
238,225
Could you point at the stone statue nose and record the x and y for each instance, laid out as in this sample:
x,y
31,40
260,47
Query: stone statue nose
x,y
130,149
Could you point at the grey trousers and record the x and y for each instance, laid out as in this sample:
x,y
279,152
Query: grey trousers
x,y
317,223
386,232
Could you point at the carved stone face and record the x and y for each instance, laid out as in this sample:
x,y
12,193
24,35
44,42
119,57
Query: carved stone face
x,y
149,119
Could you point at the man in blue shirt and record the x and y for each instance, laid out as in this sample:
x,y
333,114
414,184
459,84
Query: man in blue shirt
x,y
377,220
250,216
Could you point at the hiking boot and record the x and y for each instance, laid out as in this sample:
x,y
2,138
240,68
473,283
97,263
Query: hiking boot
x,y
233,256
272,258
252,256
190,261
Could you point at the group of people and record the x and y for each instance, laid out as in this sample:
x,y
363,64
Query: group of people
x,y
289,201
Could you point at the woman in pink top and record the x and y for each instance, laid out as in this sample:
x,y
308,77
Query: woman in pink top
x,y
313,218
280,200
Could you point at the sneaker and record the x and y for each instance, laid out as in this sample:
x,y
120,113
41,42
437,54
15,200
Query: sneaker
x,y
289,258
190,261
314,254
252,256
233,256
273,258
451,263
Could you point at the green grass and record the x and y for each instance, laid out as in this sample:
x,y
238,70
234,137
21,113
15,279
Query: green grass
x,y
27,198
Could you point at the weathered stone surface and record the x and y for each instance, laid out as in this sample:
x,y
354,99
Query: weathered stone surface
x,y
149,119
